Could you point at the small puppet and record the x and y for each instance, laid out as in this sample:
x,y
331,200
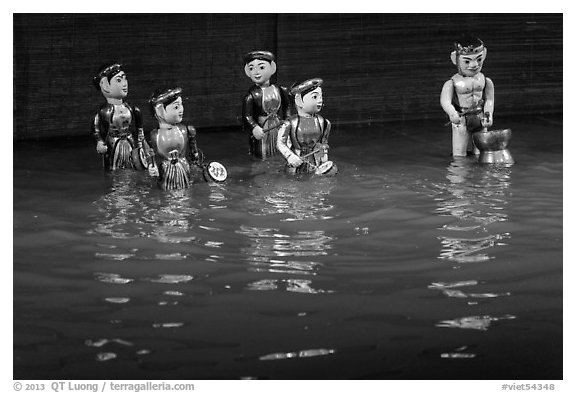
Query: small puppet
x,y
173,144
117,127
265,105
468,97
303,138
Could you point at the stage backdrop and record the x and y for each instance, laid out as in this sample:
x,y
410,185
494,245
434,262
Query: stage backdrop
x,y
376,67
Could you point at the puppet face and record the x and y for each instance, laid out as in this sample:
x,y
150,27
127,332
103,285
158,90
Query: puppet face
x,y
311,102
260,71
470,64
117,87
172,113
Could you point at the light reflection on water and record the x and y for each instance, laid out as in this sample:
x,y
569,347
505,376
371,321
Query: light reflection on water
x,y
283,251
477,197
418,258
132,210
300,198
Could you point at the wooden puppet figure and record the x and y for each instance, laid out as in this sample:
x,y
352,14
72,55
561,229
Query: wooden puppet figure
x,y
173,143
117,127
468,97
303,138
265,105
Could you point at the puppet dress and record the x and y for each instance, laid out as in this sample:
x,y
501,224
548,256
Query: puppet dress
x,y
306,137
171,147
112,125
265,107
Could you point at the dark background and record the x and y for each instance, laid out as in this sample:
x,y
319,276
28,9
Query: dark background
x,y
376,67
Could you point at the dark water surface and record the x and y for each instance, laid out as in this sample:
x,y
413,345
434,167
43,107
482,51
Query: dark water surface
x,y
407,265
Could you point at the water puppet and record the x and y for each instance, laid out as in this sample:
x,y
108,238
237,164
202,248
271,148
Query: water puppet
x,y
468,100
174,144
117,127
303,138
265,105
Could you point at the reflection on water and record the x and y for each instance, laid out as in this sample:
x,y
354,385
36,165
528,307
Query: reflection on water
x,y
299,198
477,322
458,354
105,356
467,250
120,210
154,230
158,229
448,289
289,285
477,197
135,209
285,251
112,278
270,249
274,277
304,353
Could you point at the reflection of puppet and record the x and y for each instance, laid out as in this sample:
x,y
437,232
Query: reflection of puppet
x,y
265,105
468,97
303,139
173,143
113,126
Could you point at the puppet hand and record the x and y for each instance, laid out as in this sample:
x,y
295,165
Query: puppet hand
x,y
322,154
455,118
487,119
196,158
294,160
153,170
257,132
101,147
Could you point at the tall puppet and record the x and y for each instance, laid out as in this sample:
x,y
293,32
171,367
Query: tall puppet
x,y
468,97
117,127
265,105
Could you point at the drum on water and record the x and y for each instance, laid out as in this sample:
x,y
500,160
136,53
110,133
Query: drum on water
x,y
139,159
214,171
327,168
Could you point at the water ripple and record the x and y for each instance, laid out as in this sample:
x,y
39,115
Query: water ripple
x,y
477,322
112,278
172,278
117,300
104,341
168,325
305,353
290,285
458,355
176,256
115,257
460,249
105,356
